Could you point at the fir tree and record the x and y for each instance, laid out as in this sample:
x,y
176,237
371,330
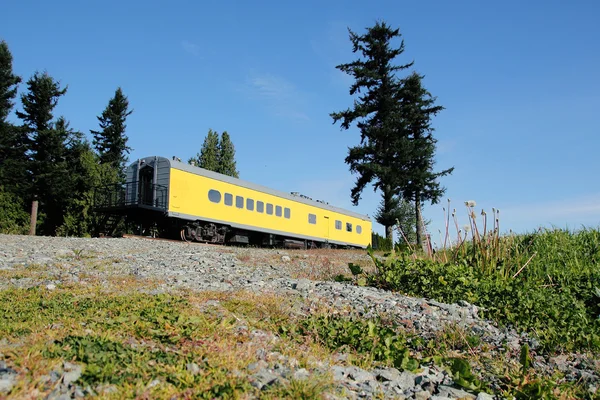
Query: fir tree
x,y
39,102
110,141
13,176
418,182
208,158
397,146
8,82
227,164
47,149
376,108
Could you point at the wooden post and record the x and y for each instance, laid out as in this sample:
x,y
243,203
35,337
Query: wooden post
x,y
33,221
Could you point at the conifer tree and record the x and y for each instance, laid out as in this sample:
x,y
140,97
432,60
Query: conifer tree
x,y
47,149
208,158
111,141
418,182
376,110
227,164
12,139
397,146
8,82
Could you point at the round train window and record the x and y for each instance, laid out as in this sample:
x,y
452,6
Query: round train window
x,y
214,196
358,229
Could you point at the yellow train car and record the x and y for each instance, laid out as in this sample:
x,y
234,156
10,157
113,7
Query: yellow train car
x,y
205,206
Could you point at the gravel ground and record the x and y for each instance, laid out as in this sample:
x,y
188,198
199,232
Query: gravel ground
x,y
206,267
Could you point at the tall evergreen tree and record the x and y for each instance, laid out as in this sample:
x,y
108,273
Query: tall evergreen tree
x,y
47,149
397,147
418,183
12,139
227,164
208,158
111,141
377,109
8,82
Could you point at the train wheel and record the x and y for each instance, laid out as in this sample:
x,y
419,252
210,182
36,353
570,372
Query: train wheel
x,y
184,237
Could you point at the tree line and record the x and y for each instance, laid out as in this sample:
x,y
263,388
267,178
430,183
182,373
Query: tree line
x,y
44,160
397,147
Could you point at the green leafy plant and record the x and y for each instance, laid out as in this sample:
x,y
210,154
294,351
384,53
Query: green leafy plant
x,y
462,375
367,337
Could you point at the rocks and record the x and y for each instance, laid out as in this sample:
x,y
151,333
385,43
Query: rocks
x,y
193,368
453,393
8,378
72,372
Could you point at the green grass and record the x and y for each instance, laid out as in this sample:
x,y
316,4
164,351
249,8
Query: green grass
x,y
551,292
128,339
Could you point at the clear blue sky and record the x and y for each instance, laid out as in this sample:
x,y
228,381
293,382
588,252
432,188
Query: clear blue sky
x,y
519,80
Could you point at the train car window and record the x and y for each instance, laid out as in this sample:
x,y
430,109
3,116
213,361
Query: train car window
x,y
348,226
239,201
260,206
338,225
286,213
214,195
358,229
269,209
228,199
250,204
278,211
312,219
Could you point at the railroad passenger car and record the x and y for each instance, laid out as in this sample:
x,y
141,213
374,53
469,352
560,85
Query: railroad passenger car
x,y
200,205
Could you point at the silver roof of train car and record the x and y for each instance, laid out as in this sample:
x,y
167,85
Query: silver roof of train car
x,y
240,182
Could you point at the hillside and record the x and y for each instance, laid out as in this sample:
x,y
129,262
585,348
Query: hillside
x,y
143,318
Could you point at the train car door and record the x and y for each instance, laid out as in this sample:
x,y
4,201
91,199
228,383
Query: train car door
x,y
326,228
145,193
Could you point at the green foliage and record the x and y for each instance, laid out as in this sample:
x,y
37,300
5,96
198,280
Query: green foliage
x,y
355,269
13,218
366,337
227,164
208,157
382,243
14,162
375,108
553,298
217,154
38,104
48,151
394,119
111,141
396,211
108,361
8,82
415,145
462,375
86,174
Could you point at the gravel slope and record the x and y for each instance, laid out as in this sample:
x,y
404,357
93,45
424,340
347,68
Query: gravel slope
x,y
206,267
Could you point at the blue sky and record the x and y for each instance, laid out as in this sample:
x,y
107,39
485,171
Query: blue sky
x,y
519,81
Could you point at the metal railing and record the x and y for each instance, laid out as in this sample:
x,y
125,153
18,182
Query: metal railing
x,y
130,194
